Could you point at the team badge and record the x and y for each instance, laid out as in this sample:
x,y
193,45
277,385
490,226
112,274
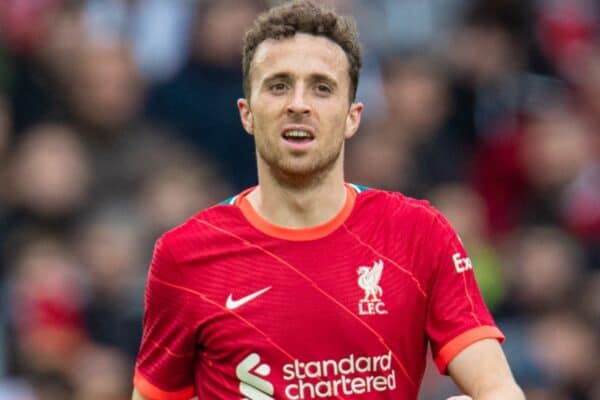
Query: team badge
x,y
368,280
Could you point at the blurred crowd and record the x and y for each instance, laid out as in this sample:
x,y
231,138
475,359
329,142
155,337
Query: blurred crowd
x,y
118,121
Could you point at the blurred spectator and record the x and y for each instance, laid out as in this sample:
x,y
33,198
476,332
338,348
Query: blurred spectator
x,y
417,98
496,71
545,268
567,30
404,146
51,385
589,302
567,349
155,29
5,127
555,148
389,160
389,27
44,36
23,24
5,139
47,299
200,100
105,100
523,174
49,175
586,86
498,30
110,246
581,200
5,68
101,374
105,94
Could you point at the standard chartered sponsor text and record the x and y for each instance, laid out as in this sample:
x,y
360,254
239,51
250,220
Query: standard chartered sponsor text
x,y
347,376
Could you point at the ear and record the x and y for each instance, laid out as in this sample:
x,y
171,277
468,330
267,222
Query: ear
x,y
353,119
246,115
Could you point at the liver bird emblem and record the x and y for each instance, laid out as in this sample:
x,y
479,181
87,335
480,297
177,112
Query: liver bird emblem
x,y
368,280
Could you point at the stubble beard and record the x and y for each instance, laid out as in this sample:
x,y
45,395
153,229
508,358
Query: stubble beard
x,y
289,173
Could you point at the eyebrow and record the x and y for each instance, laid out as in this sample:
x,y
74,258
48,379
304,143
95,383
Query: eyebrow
x,y
315,77
278,76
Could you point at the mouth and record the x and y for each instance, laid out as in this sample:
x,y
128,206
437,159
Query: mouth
x,y
297,136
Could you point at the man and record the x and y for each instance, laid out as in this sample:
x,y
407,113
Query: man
x,y
306,287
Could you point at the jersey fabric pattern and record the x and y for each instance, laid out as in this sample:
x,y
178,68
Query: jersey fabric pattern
x,y
237,308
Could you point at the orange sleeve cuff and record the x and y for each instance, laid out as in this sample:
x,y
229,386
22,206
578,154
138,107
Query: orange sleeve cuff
x,y
462,341
153,393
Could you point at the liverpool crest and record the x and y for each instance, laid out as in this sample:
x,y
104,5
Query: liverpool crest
x,y
368,280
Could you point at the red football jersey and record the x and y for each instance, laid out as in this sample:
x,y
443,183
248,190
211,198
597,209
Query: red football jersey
x,y
237,308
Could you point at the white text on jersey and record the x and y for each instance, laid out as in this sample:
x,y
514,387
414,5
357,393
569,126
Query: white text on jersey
x,y
461,264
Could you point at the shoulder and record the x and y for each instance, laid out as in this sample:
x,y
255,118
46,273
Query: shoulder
x,y
396,205
201,231
400,218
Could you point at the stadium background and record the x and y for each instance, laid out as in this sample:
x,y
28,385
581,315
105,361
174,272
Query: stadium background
x,y
118,121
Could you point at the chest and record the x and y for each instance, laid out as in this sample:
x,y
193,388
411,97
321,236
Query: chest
x,y
306,297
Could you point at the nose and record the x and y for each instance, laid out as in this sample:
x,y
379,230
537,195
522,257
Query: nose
x,y
298,103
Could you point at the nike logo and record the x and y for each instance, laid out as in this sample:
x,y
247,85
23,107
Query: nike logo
x,y
232,304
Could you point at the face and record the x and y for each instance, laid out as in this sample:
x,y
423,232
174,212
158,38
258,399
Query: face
x,y
299,110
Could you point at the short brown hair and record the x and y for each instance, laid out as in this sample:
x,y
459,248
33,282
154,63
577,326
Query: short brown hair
x,y
303,16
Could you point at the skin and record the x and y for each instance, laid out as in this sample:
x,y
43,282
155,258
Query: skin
x,y
137,395
482,372
303,82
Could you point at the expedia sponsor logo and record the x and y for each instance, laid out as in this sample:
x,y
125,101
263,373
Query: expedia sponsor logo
x,y
461,264
348,376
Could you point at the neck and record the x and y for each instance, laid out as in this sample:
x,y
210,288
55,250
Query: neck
x,y
299,203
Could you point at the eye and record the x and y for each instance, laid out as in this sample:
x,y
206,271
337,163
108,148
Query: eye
x,y
323,88
278,87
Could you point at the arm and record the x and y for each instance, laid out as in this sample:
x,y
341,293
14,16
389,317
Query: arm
x,y
481,371
137,395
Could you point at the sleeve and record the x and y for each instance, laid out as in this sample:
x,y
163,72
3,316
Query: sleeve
x,y
165,362
457,315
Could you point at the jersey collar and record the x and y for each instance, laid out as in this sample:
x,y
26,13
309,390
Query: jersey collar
x,y
302,234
